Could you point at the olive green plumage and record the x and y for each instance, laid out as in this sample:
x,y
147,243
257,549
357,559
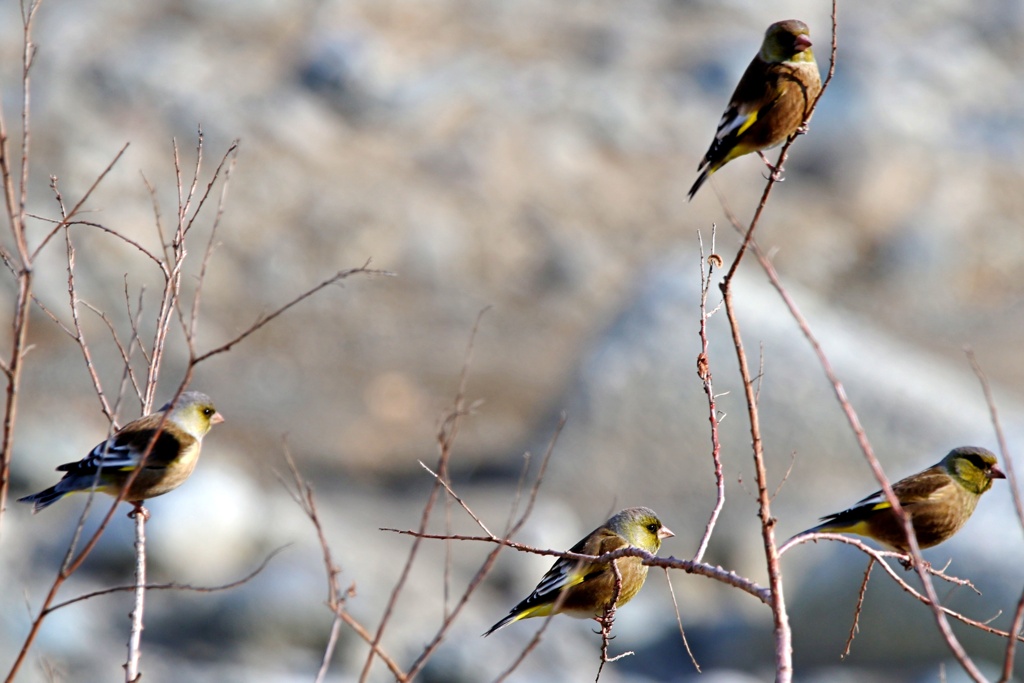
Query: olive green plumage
x,y
771,100
589,588
938,500
176,442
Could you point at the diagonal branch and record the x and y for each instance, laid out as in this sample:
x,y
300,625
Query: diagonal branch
x,y
263,320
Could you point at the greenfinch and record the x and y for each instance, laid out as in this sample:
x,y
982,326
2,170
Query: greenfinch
x,y
584,590
170,461
771,100
938,500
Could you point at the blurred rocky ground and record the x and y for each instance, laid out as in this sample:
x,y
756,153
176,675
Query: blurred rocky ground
x,y
532,157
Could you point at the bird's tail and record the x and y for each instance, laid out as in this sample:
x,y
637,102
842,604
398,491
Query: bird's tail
x,y
43,499
520,612
502,624
700,181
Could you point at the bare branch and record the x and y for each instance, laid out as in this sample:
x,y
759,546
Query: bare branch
x,y
173,586
1011,643
679,621
1004,449
704,372
66,216
302,493
690,567
131,667
855,626
446,438
263,320
458,500
879,557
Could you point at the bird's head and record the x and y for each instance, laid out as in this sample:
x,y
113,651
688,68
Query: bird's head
x,y
974,468
641,527
194,412
787,41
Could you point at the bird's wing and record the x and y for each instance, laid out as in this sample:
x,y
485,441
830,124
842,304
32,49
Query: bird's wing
x,y
753,95
124,450
566,573
911,491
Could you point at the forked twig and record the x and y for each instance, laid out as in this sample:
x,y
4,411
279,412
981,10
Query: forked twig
x,y
302,494
446,439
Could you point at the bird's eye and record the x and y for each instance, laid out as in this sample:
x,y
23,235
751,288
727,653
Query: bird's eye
x,y
652,527
207,412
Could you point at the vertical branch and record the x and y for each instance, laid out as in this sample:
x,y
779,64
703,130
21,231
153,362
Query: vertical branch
x,y
131,668
168,307
22,265
704,372
783,632
780,617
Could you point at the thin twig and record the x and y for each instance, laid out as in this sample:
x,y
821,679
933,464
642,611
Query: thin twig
x,y
263,320
184,587
704,372
1011,643
302,493
81,202
855,626
679,621
1004,449
446,438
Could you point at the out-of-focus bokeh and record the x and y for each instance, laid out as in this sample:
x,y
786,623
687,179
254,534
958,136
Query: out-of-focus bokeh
x,y
532,157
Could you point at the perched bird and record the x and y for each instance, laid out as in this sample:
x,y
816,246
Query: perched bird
x,y
584,590
938,500
169,462
771,100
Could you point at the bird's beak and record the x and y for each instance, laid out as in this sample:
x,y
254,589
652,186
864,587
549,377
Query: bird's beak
x,y
996,473
801,43
216,419
665,532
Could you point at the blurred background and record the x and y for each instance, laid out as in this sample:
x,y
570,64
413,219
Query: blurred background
x,y
532,157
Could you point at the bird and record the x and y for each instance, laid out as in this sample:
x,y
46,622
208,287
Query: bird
x,y
585,590
770,102
938,500
172,436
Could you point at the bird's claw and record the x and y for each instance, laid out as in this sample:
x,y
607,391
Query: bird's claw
x,y
138,509
776,171
908,563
